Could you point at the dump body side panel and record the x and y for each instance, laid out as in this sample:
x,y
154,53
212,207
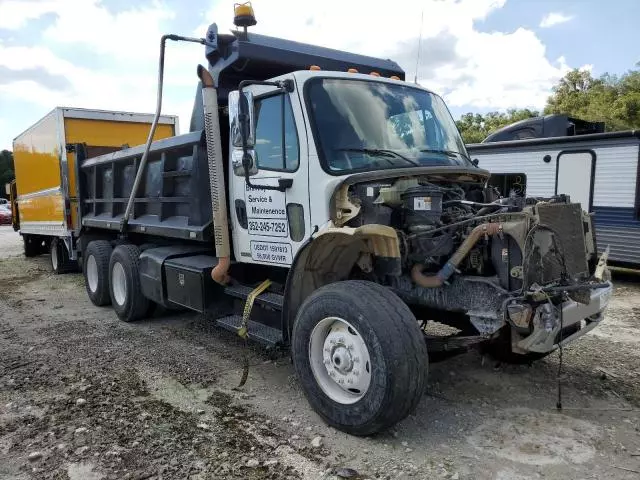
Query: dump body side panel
x,y
37,154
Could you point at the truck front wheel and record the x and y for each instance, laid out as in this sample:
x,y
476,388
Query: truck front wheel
x,y
360,356
124,284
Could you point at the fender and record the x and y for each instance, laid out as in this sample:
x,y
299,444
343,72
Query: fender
x,y
329,256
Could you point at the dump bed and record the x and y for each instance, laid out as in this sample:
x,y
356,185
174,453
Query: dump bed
x,y
45,161
173,200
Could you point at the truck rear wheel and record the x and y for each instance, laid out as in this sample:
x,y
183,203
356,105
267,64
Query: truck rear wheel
x,y
60,261
124,284
360,356
96,272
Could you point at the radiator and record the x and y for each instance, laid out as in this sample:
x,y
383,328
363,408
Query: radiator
x,y
556,243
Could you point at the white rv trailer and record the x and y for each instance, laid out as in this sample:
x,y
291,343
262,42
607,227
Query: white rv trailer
x,y
598,170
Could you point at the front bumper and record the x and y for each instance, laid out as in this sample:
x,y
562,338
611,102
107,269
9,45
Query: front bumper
x,y
576,320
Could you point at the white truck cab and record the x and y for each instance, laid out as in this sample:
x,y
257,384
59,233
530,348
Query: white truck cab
x,y
332,125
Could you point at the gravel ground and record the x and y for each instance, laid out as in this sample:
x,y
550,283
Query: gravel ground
x,y
84,396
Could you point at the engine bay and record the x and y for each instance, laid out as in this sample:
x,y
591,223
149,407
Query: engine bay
x,y
434,218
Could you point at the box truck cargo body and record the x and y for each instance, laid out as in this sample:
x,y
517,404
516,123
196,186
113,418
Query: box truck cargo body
x,y
46,202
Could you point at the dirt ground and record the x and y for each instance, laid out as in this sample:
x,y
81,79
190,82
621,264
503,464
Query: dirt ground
x,y
84,396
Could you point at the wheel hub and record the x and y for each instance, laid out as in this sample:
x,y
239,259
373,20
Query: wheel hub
x,y
119,283
340,360
54,257
92,273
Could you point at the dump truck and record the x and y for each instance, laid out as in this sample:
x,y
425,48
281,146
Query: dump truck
x,y
45,195
322,203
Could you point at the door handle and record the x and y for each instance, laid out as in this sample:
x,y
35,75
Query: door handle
x,y
285,183
241,213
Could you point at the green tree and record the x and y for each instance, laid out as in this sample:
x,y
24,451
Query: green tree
x,y
609,98
6,170
614,100
475,127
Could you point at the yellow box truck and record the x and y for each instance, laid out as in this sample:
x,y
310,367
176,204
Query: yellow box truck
x,y
45,203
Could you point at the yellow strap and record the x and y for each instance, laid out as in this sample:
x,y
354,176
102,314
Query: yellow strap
x,y
248,306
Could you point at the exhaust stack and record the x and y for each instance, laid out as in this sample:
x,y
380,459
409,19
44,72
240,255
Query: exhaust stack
x,y
220,272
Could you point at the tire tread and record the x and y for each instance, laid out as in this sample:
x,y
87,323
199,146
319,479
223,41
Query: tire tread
x,y
101,251
139,304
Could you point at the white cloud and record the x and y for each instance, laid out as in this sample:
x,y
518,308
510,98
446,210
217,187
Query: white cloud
x,y
554,18
133,33
14,14
496,74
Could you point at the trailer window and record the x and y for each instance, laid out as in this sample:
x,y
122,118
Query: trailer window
x,y
276,137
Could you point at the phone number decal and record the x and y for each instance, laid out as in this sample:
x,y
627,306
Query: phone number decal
x,y
269,228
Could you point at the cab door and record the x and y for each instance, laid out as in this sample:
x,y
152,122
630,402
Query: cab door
x,y
269,226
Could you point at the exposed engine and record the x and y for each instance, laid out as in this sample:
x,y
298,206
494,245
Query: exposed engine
x,y
434,220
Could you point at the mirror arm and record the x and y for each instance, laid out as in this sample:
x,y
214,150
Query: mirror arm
x,y
284,85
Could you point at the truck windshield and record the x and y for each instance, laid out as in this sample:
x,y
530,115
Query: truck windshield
x,y
363,125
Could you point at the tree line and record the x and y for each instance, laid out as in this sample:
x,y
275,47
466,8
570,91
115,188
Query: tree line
x,y
612,99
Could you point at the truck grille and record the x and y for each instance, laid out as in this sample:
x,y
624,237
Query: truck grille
x,y
548,253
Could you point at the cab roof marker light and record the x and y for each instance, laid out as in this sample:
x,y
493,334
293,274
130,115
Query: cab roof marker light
x,y
374,74
314,68
394,77
352,70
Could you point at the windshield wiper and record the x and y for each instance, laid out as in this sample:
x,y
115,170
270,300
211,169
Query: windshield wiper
x,y
381,152
448,153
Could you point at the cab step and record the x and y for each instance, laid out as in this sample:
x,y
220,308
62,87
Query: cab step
x,y
266,299
258,332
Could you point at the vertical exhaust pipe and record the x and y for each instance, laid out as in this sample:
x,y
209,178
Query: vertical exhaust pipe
x,y
220,272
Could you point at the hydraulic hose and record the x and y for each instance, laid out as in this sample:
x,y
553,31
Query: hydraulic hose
x,y
437,280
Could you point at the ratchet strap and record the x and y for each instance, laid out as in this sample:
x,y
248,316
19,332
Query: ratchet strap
x,y
243,331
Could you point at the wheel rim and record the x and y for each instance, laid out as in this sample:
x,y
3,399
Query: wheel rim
x,y
54,257
92,273
119,283
340,360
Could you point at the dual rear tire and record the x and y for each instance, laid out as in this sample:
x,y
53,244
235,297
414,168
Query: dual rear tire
x,y
112,277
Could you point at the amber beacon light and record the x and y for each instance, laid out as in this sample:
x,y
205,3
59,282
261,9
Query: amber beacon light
x,y
243,15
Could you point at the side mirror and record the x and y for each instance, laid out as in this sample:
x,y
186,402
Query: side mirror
x,y
241,119
475,161
244,162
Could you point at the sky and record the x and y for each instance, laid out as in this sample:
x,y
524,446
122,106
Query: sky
x,y
480,55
